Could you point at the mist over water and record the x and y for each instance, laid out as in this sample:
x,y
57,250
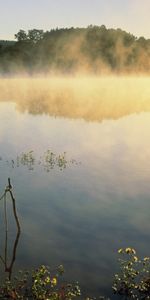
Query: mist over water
x,y
78,216
89,98
94,50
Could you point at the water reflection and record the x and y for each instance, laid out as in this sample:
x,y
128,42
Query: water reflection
x,y
8,266
103,204
93,99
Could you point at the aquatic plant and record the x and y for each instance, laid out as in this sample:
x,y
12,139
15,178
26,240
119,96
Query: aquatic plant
x,y
26,159
48,160
40,284
133,280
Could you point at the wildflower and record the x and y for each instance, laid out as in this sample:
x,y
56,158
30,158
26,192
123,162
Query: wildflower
x,y
135,258
54,281
146,258
120,250
130,251
47,279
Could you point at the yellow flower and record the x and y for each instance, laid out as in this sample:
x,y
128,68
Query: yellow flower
x,y
133,251
54,281
47,279
120,250
130,251
135,258
146,258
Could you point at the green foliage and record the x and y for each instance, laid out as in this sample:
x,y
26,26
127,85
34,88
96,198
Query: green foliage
x,y
5,43
93,49
35,35
21,36
41,284
133,281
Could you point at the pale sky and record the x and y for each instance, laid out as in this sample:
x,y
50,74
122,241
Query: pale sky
x,y
130,15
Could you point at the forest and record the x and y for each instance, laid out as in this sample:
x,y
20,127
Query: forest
x,y
94,50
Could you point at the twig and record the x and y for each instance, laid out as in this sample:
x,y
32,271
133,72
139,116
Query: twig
x,y
14,210
8,189
5,212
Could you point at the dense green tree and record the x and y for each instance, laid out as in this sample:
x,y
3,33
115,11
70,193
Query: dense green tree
x,y
68,50
21,35
35,35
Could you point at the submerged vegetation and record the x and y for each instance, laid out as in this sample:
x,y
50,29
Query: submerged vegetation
x,y
92,50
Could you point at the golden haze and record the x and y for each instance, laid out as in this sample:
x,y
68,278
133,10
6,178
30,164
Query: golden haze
x,y
90,98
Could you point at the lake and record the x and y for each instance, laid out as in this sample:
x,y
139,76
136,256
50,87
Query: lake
x,y
77,151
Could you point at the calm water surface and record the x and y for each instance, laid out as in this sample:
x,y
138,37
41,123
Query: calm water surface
x,y
80,215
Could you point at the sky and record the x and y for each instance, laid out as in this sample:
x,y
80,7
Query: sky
x,y
129,15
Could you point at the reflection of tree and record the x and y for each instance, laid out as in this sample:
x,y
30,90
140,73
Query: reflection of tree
x,y
9,266
88,99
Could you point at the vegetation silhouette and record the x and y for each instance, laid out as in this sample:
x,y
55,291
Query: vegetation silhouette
x,y
133,278
131,282
94,50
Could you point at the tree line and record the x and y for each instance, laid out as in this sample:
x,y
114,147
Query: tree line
x,y
93,50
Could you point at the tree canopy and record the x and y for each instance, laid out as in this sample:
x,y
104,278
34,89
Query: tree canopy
x,y
94,49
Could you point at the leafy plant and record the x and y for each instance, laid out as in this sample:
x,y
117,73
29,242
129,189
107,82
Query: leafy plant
x,y
133,281
40,284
